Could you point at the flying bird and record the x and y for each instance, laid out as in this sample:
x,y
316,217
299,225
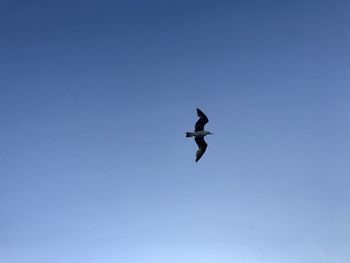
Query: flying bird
x,y
199,134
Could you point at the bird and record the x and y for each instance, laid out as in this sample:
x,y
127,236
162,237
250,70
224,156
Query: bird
x,y
199,134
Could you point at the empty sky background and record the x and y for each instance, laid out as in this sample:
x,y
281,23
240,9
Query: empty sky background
x,y
95,99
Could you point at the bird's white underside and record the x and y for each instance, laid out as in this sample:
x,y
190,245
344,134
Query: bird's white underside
x,y
199,133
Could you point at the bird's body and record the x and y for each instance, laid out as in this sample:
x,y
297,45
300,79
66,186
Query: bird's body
x,y
199,134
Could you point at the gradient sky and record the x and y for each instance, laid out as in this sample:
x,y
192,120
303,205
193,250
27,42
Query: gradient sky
x,y
95,99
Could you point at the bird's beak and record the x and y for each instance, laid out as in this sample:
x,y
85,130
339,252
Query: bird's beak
x,y
211,133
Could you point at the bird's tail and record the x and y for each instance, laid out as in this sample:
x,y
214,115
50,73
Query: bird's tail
x,y
189,134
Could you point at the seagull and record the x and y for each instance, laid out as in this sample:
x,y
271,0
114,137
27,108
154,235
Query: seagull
x,y
199,134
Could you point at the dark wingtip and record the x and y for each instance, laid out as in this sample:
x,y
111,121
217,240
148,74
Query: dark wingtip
x,y
200,113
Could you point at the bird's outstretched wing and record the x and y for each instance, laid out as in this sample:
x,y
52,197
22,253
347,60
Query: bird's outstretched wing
x,y
202,146
201,122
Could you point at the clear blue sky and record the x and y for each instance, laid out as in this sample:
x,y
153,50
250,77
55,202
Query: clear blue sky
x,y
95,100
